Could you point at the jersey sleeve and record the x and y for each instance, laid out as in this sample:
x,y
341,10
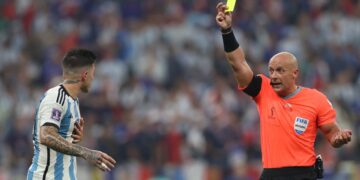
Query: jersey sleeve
x,y
51,111
326,112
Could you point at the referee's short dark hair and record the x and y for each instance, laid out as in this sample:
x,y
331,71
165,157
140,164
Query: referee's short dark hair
x,y
77,58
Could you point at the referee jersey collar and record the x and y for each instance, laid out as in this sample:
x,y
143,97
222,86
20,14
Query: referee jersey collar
x,y
297,90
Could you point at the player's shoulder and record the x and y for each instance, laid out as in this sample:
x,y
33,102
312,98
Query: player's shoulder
x,y
56,94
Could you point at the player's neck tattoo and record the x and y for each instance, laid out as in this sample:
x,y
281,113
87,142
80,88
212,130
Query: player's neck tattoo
x,y
70,81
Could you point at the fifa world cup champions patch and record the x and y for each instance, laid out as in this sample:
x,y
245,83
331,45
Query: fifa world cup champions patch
x,y
300,125
56,114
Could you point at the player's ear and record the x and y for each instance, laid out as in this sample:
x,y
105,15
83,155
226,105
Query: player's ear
x,y
84,76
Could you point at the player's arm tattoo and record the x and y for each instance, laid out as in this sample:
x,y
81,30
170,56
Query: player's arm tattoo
x,y
50,137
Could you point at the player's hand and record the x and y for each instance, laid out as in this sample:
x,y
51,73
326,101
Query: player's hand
x,y
100,160
78,132
341,138
223,19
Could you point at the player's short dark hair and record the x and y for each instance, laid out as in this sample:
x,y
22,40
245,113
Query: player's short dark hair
x,y
77,58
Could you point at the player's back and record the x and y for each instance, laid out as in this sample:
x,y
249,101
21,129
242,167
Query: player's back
x,y
56,108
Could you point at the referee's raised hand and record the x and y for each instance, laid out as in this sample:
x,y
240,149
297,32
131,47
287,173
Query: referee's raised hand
x,y
223,18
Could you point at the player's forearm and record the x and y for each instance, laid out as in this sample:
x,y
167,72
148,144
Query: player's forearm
x,y
50,138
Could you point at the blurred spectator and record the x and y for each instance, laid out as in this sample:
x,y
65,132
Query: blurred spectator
x,y
165,103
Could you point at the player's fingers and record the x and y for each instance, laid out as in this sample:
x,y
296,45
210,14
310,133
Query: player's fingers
x,y
78,125
82,121
98,161
75,137
109,164
76,131
108,158
102,166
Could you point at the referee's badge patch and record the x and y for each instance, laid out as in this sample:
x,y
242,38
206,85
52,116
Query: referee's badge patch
x,y
56,114
300,125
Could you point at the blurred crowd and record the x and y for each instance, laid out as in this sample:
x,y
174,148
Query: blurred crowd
x,y
164,102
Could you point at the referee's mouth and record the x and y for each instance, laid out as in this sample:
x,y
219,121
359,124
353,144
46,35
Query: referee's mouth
x,y
276,85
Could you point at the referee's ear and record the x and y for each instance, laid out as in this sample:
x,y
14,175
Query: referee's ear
x,y
296,74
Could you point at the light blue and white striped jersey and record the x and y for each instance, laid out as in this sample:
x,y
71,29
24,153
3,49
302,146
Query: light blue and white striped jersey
x,y
59,108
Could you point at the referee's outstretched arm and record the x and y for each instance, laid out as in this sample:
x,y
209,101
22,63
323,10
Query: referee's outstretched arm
x,y
335,135
234,53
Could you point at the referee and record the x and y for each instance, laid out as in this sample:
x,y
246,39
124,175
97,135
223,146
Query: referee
x,y
289,114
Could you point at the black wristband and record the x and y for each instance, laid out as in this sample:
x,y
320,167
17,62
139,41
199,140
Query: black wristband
x,y
226,31
230,43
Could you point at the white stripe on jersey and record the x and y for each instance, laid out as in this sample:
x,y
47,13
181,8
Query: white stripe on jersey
x,y
59,108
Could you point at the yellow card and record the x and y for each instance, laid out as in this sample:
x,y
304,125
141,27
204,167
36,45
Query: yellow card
x,y
231,5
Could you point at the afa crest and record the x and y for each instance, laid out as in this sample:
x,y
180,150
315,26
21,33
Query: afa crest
x,y
300,125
